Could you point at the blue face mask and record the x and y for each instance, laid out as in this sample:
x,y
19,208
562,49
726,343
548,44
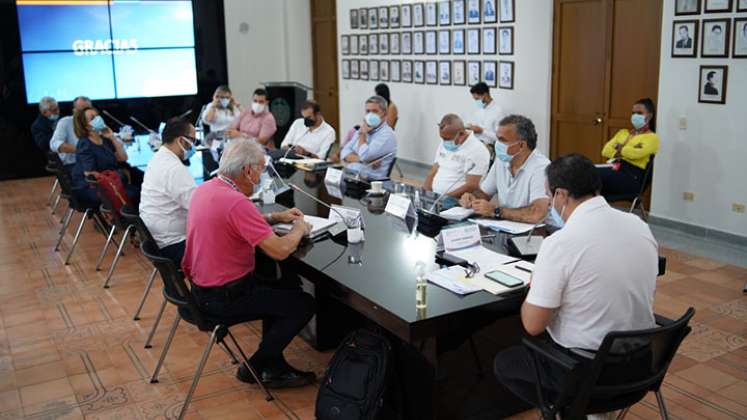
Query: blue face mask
x,y
188,153
224,102
54,117
451,145
501,152
638,121
373,120
97,123
479,103
557,218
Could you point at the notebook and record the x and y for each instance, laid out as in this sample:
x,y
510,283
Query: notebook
x,y
319,226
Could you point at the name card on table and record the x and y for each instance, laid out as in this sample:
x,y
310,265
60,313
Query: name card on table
x,y
399,206
333,176
461,237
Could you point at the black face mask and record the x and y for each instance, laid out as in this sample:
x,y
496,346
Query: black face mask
x,y
308,122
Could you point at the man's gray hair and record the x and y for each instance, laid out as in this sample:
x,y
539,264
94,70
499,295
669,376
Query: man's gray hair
x,y
238,154
453,120
378,100
47,102
524,128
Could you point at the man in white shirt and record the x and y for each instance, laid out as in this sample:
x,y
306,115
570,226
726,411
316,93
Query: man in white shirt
x,y
595,275
64,140
514,189
485,119
167,189
461,160
310,135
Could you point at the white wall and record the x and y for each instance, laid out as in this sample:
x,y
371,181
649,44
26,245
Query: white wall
x,y
709,158
276,46
422,106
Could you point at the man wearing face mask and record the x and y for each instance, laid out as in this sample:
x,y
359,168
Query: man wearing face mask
x,y
596,275
167,189
516,181
224,228
484,120
461,160
43,126
309,135
373,147
257,122
64,141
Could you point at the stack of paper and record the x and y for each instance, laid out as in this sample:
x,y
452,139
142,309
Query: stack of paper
x,y
453,279
319,226
514,228
456,213
485,258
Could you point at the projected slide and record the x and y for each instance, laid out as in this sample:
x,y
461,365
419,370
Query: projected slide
x,y
107,49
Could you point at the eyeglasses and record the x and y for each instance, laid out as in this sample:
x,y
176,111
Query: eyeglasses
x,y
471,269
191,140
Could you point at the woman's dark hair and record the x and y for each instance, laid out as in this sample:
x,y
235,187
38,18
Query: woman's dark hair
x,y
383,90
175,128
80,122
575,173
651,109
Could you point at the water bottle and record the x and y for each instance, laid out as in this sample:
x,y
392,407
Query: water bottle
x,y
421,286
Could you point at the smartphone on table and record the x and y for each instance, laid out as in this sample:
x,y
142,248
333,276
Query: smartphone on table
x,y
504,279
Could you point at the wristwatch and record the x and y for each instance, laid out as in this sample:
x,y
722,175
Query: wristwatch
x,y
497,212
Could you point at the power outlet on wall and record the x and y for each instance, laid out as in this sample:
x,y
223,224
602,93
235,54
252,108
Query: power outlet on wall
x,y
683,123
688,196
737,208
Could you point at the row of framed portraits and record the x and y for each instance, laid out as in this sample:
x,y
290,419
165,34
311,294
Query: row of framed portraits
x,y
434,13
714,40
473,41
693,7
432,72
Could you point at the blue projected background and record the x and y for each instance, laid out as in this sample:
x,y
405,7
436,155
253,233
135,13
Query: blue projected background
x,y
107,49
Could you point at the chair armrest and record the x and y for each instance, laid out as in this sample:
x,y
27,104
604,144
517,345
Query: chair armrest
x,y
662,265
662,321
546,351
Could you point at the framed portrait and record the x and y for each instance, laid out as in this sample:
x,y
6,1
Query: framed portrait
x,y
457,41
506,75
384,44
346,68
354,70
418,71
740,38
354,19
444,73
444,41
406,44
405,15
384,71
715,38
473,73
407,71
473,11
394,17
345,44
717,6
353,44
684,38
418,15
489,71
363,18
431,72
508,11
364,69
686,7
458,74
418,42
506,40
383,17
444,13
712,86
741,5
395,74
373,19
431,14
363,44
489,13
394,43
473,41
488,41
373,44
373,70
431,47
457,12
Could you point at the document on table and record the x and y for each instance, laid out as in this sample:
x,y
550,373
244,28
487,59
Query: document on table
x,y
485,258
514,228
456,213
453,279
319,225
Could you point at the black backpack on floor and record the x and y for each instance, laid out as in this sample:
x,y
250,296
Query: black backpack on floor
x,y
357,379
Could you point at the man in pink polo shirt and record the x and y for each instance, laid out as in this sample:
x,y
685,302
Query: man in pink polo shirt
x,y
223,230
256,122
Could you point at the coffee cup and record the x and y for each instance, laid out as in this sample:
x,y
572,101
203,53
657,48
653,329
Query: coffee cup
x,y
377,187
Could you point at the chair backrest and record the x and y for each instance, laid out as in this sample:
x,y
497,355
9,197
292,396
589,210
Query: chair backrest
x,y
131,216
391,168
634,362
648,175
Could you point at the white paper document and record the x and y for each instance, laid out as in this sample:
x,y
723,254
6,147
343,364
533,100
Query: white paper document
x,y
514,228
456,213
485,258
453,279
318,225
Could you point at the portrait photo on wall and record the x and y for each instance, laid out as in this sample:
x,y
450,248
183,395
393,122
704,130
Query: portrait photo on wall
x,y
417,14
373,44
419,72
473,11
394,17
712,87
406,45
505,40
488,41
489,71
740,38
715,38
431,72
394,44
406,15
685,38
354,19
459,73
444,73
457,12
717,6
363,44
384,70
444,41
383,17
473,41
407,71
418,43
506,72
373,70
346,69
431,47
489,12
364,69
373,18
444,13
457,41
473,73
345,44
741,5
383,44
354,70
363,18
508,10
686,7
431,14
394,71
353,44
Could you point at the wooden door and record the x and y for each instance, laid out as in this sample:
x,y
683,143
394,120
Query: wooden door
x,y
605,57
324,42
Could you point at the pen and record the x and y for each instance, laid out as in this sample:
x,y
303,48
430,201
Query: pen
x,y
523,269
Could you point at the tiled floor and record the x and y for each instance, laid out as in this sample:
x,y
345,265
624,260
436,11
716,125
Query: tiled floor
x,y
70,349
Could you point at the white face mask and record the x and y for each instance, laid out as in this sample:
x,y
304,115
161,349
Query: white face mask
x,y
257,107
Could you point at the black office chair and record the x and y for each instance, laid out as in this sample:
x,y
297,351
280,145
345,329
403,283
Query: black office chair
x,y
637,198
116,221
391,168
175,291
583,393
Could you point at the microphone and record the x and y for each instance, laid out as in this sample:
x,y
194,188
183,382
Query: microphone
x,y
105,112
344,220
184,114
378,159
135,120
293,146
441,197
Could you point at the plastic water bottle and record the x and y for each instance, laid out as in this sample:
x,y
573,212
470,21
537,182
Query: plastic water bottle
x,y
421,286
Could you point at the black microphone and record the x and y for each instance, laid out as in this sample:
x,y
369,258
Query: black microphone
x,y
344,220
105,112
135,120
184,114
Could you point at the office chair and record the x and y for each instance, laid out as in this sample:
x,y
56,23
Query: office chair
x,y
637,198
115,219
53,163
175,291
132,218
584,393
